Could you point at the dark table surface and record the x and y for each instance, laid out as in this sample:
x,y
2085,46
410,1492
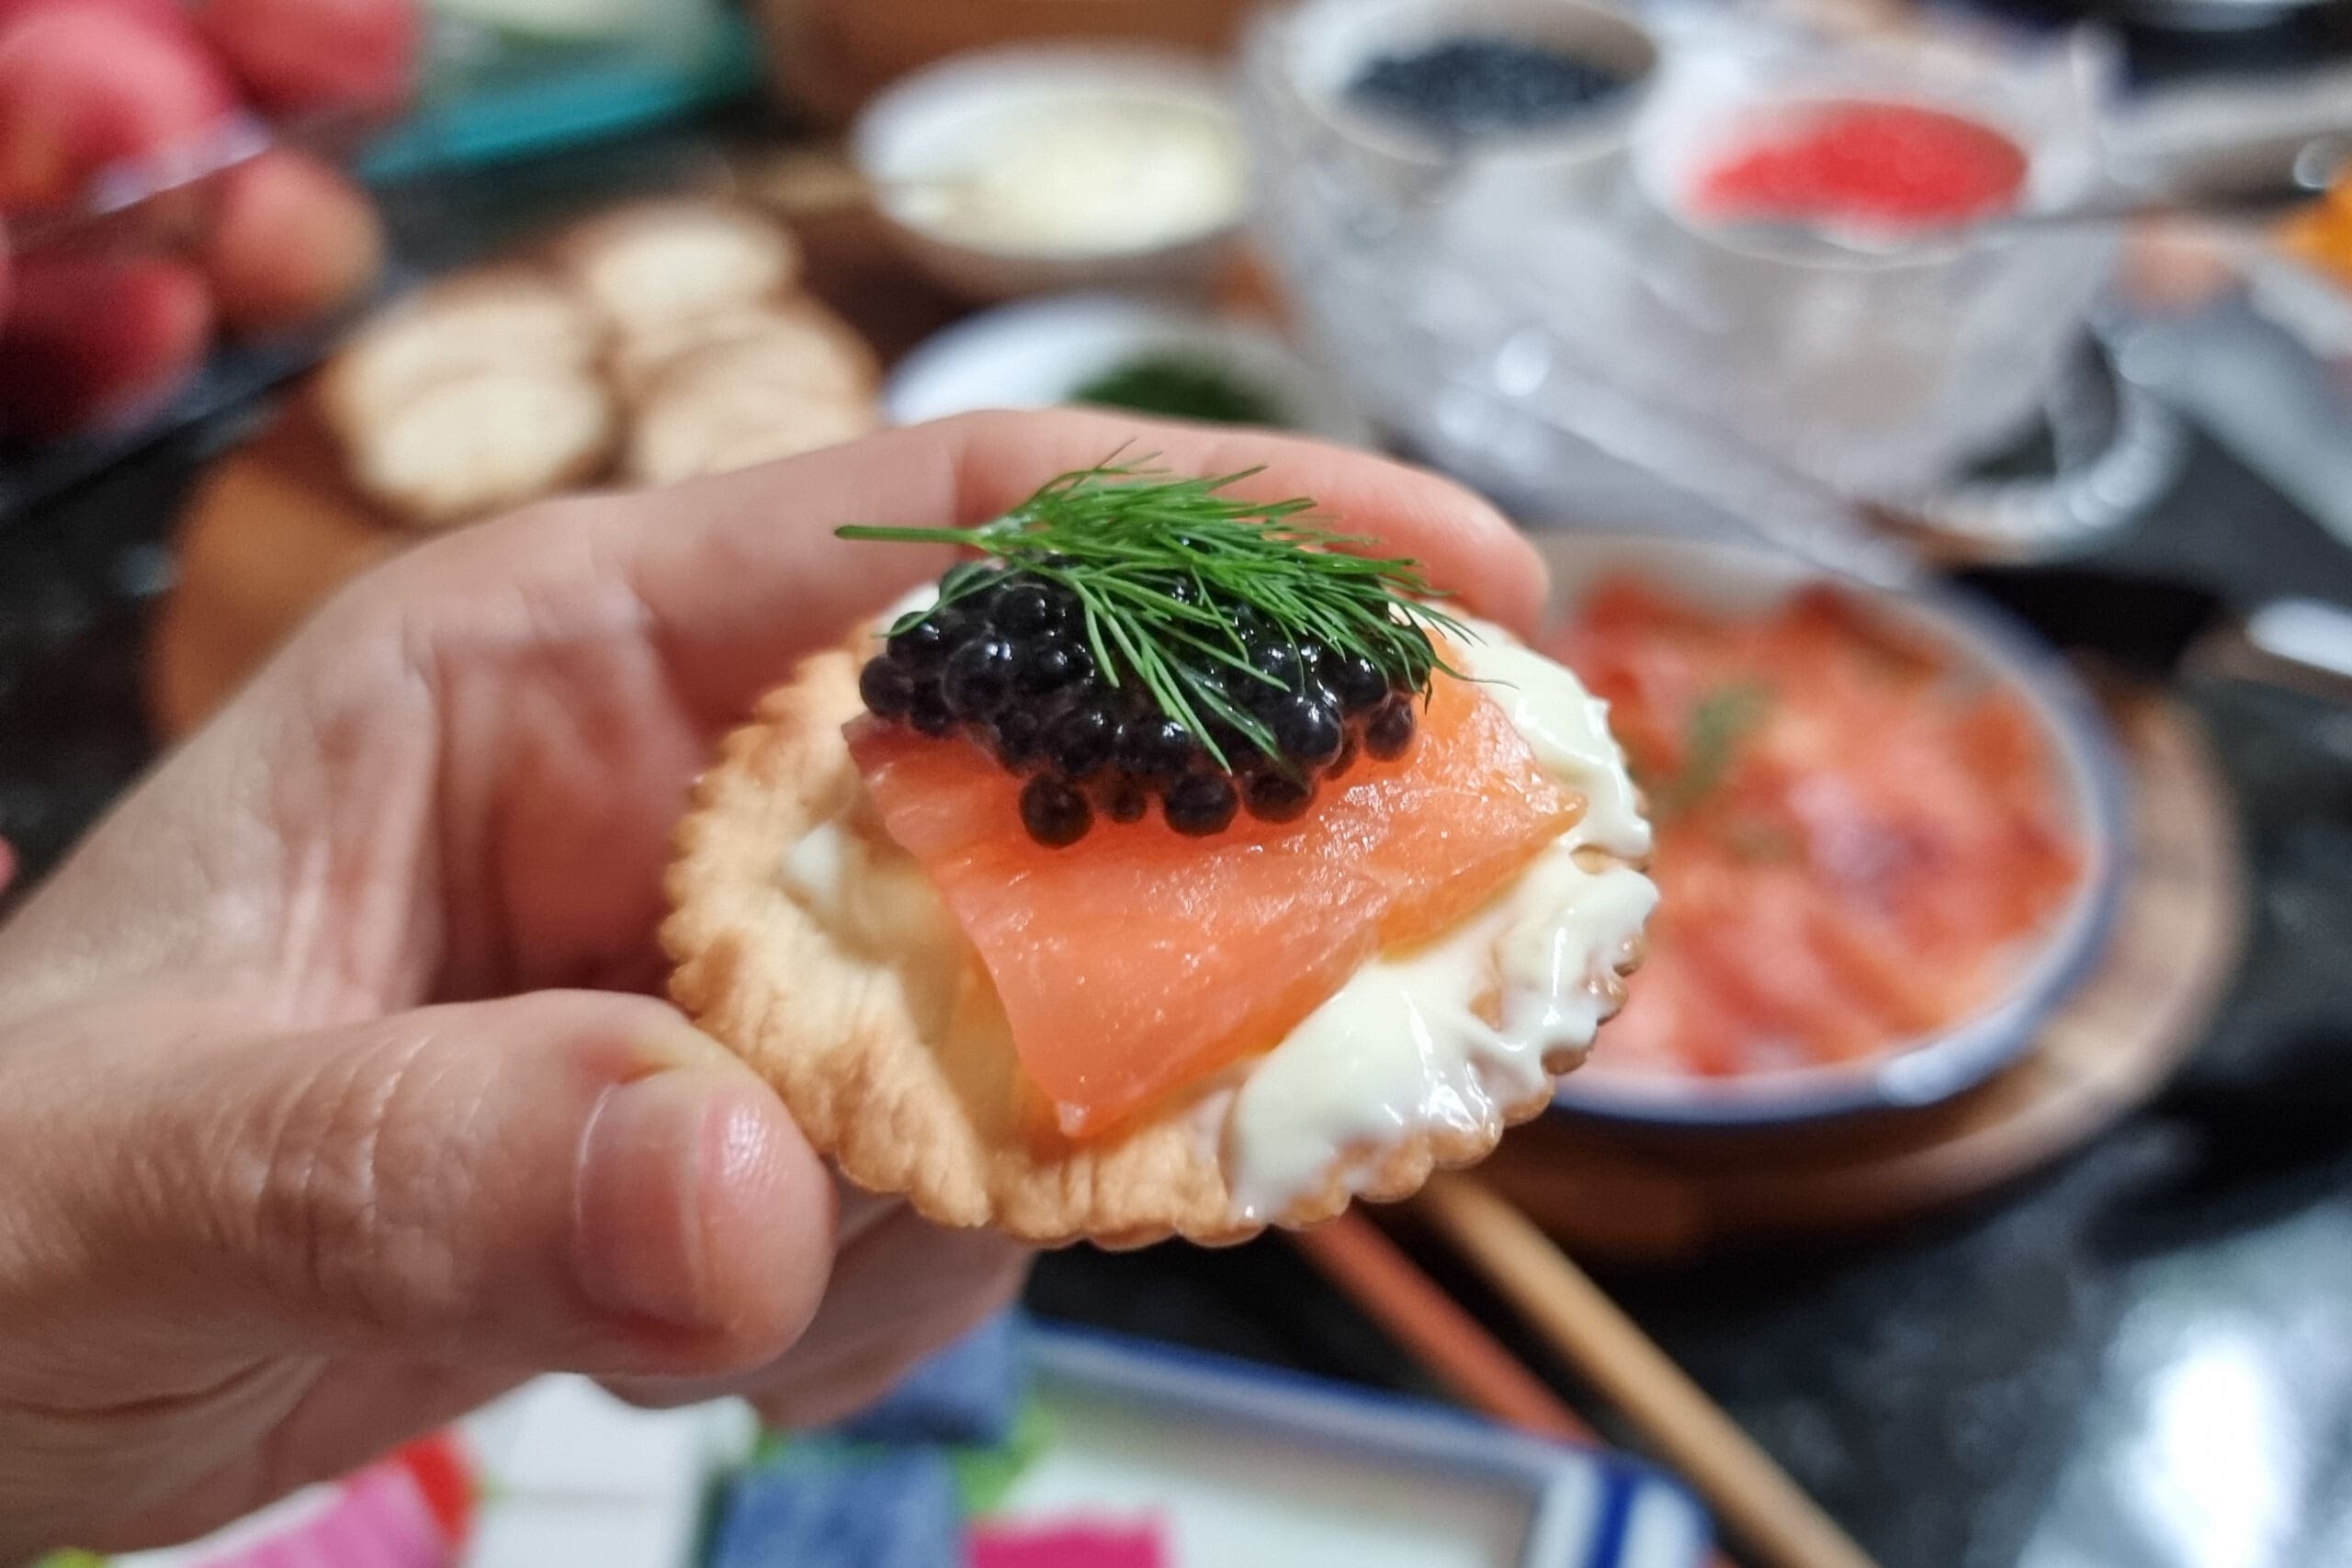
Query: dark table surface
x,y
2141,1357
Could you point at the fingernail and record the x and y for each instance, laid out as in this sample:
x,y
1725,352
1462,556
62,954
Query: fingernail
x,y
647,1160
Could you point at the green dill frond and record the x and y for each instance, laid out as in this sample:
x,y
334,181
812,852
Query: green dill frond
x,y
1164,569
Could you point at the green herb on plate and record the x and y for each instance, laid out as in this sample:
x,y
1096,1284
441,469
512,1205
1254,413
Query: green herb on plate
x,y
1181,386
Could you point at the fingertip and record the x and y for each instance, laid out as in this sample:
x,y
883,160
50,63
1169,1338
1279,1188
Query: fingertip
x,y
704,1224
1477,553
769,1223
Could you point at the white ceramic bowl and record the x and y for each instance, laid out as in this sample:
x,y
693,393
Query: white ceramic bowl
x,y
1037,352
1985,644
924,125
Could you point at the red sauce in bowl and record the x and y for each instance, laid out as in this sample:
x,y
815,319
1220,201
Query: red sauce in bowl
x,y
1857,844
1883,164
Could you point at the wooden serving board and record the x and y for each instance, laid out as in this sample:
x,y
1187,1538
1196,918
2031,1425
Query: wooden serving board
x,y
1615,1190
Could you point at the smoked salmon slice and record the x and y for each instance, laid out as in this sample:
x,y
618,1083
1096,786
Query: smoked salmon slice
x,y
1137,959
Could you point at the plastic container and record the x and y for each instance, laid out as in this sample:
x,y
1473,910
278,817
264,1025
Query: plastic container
x,y
508,77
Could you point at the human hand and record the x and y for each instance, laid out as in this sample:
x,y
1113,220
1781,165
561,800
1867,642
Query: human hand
x,y
331,1103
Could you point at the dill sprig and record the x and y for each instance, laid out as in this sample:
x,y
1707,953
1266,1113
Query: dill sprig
x,y
1166,569
1719,726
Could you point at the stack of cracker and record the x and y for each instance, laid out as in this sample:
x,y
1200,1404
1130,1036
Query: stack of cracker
x,y
653,344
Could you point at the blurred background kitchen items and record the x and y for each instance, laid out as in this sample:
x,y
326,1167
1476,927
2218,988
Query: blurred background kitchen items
x,y
827,57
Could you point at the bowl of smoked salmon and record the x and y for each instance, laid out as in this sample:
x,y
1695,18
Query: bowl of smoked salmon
x,y
1890,833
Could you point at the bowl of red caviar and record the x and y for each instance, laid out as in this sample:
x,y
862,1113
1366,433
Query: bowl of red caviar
x,y
1856,145
1815,271
1891,832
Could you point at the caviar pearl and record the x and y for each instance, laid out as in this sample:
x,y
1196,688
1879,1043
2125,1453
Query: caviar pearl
x,y
1389,731
926,644
1278,661
1154,748
1278,797
1022,610
1020,737
1357,681
1047,664
1233,745
928,711
1081,742
1127,801
1199,805
978,677
887,688
1306,727
1055,814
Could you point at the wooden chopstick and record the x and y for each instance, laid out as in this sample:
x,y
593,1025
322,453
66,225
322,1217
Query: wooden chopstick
x,y
1754,1498
1392,1290
1454,1346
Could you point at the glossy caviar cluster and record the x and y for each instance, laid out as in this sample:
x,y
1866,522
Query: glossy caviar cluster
x,y
1009,664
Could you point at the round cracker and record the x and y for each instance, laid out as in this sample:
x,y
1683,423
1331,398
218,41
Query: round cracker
x,y
482,441
708,424
798,342
853,1039
656,262
496,319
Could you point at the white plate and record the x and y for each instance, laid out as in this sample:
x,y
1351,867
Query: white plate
x,y
1036,354
917,129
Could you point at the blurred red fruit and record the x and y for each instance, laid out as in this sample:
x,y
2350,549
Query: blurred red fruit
x,y
166,11
88,83
292,240
92,341
319,56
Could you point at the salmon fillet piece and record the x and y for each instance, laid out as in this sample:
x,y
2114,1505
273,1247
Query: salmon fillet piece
x,y
1137,959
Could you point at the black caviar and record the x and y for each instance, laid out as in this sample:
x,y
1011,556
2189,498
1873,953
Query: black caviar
x,y
1475,85
1008,665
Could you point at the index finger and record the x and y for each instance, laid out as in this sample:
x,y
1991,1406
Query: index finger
x,y
741,573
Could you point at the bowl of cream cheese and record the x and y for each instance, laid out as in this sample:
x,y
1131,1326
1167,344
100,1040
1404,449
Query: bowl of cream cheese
x,y
1016,170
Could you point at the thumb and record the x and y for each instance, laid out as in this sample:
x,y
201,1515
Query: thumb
x,y
565,1179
